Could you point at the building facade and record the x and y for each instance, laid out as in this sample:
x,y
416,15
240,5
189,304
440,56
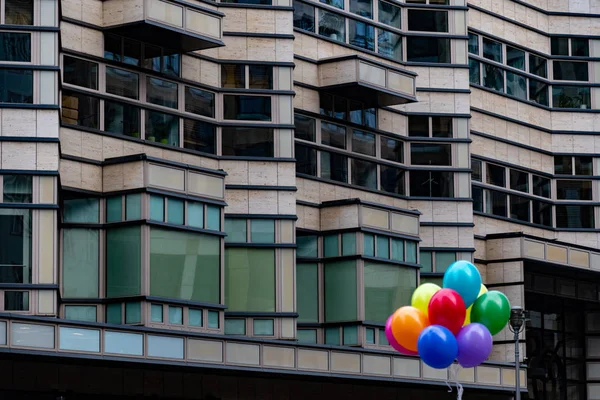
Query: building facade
x,y
226,200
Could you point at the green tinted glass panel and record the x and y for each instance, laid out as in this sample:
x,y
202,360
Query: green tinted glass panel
x,y
387,288
213,319
332,336
175,211
369,244
370,336
426,261
114,209
331,246
213,218
307,336
348,243
411,252
307,292
250,279
236,230
235,326
383,246
194,317
133,206
350,335
175,315
382,338
397,249
263,327
340,291
157,208
184,265
133,313
81,313
156,311
443,260
432,279
114,313
307,246
80,263
82,211
123,262
262,231
195,214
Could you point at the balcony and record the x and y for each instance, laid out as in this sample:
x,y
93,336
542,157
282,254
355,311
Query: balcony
x,y
170,24
374,84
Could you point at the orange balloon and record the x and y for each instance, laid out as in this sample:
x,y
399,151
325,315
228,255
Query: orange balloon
x,y
407,324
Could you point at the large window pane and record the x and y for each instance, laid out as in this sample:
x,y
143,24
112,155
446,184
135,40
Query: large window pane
x,y
538,92
583,165
79,109
389,14
185,265
122,83
304,16
199,102
307,292
15,246
262,231
81,313
250,108
332,26
492,50
541,186
538,66
261,76
161,92
428,49
392,179
123,262
333,135
17,188
474,72
236,230
199,136
441,127
75,70
431,184
233,76
559,46
571,97
361,34
430,154
307,246
340,291
250,279
162,128
81,210
247,142
387,287
122,118
331,245
362,7
515,58
363,142
334,166
573,190
574,216
542,213
570,71
364,173
16,86
427,21
496,175
306,160
391,149
80,263
495,203
305,127
519,180
389,44
443,259
519,208
516,85
473,43
493,77
580,47
18,12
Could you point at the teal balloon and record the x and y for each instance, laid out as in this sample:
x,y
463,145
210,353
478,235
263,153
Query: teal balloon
x,y
463,277
492,309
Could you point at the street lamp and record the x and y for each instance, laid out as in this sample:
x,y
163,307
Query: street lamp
x,y
516,325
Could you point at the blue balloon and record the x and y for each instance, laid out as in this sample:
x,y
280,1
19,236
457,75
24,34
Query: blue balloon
x,y
437,346
464,278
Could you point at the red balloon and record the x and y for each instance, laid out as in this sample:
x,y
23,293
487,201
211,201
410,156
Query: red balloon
x,y
447,308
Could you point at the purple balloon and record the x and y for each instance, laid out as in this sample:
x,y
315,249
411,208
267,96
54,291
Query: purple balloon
x,y
474,345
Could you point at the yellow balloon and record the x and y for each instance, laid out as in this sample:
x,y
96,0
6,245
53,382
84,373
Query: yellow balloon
x,y
468,316
422,295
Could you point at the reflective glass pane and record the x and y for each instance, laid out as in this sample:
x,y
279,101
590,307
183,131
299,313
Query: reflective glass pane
x,y
332,25
541,186
519,208
362,7
16,301
571,97
81,313
121,118
156,313
18,12
114,313
250,279
492,50
392,180
387,287
364,173
574,216
430,154
515,58
80,210
123,261
247,142
79,339
157,208
194,317
583,165
580,47
306,160
383,246
200,102
443,260
389,44
262,231
428,49
122,83
195,215
473,43
538,92
427,20
233,76
236,230
75,70
392,150
431,184
124,343
369,244
397,249
493,77
340,291
542,213
332,336
261,76
559,46
165,347
249,108
334,166
334,3
361,34
350,335
363,142
348,243
496,175
213,218
307,336
235,326
304,16
263,327
516,85
133,206
570,71
77,109
305,127
331,245
307,246
175,211
17,188
573,190
81,255
162,128
30,335
496,203
538,66
519,180
213,319
333,135
175,315
307,292
133,312
389,14
161,92
16,245
474,72
426,261
199,136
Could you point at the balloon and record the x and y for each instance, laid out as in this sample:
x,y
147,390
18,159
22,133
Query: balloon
x,y
422,295
463,277
492,309
468,317
474,345
392,340
407,324
437,347
447,309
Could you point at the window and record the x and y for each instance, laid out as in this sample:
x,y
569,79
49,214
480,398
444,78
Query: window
x,y
363,142
81,313
516,85
519,180
492,50
261,76
572,216
362,7
263,327
579,47
15,47
250,108
247,142
428,21
389,44
515,58
541,186
361,34
559,46
364,173
331,245
304,16
538,92
496,175
387,287
573,190
392,150
419,126
233,76
79,109
16,86
340,291
175,211
493,77
121,118
519,208
15,251
570,71
18,12
571,97
200,102
236,230
473,44
428,49
307,246
476,168
162,128
333,135
80,72
81,210
123,261
335,3
175,315
161,92
199,136
334,166
305,128
16,301
264,2
80,271
350,110
122,83
568,165
195,317
156,313
235,326
441,127
583,165
17,188
389,14
250,279
306,160
542,213
307,289
262,231
477,195
430,154
474,72
495,203
431,184
307,336
136,53
538,66
332,26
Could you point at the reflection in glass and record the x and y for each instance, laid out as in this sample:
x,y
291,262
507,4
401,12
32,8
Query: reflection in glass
x,y
431,183
570,71
233,76
473,43
516,85
364,173
519,180
389,14
17,188
121,118
165,347
363,142
392,179
493,77
559,46
427,20
78,72
515,58
583,165
361,34
79,339
79,109
495,175
538,92
16,301
332,25
362,7
495,203
122,83
538,66
124,343
334,166
477,194
199,136
571,97
333,135
572,216
428,49
492,50
541,186
162,128
16,86
542,213
18,12
474,74
389,44
199,102
16,47
519,208
247,142
261,76
306,160
304,16
476,168
249,108
161,92
430,154
335,3
580,47
573,190
441,127
305,128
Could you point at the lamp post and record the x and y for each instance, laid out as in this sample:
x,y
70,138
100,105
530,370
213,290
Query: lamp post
x,y
516,325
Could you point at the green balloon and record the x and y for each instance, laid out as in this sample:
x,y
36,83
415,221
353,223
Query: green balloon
x,y
492,310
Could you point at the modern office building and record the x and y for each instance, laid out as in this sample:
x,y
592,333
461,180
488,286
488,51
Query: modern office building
x,y
225,200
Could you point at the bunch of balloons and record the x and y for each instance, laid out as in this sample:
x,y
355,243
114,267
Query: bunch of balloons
x,y
455,322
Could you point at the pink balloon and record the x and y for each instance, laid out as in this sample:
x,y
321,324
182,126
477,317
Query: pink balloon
x,y
390,337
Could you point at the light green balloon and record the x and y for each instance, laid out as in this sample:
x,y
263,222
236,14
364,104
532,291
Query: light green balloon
x,y
492,309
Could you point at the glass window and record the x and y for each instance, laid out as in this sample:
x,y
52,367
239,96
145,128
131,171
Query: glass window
x,y
332,336
236,230
496,175
262,231
583,166
75,70
123,261
162,128
387,287
114,313
431,184
331,246
80,273
391,149
199,102
165,346
156,311
495,203
389,14
515,58
519,180
411,252
389,44
541,186
559,46
516,85
571,97
133,313
161,92
364,173
213,218
428,49
477,194
81,313
441,127
17,188
233,76
335,3
493,77
121,118
492,50
77,109
263,327
175,209
307,289
369,244
563,165
580,47
194,317
304,16
332,25
213,319
348,243
430,154
397,249
18,12
305,128
476,170
538,92
250,279
361,34
15,251
122,83
340,291
152,57
426,261
473,43
114,209
474,72
195,214
418,126
572,216
124,343
307,246
307,336
334,166
157,208
333,135
16,301
250,108
247,142
306,160
370,333
443,260
382,244
538,66
199,136
81,210
362,7
427,20
350,335
171,64
570,71
185,265
519,208
175,315
542,213
382,338
573,190
133,206
79,339
261,76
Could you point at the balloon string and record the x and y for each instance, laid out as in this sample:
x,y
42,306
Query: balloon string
x,y
454,370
